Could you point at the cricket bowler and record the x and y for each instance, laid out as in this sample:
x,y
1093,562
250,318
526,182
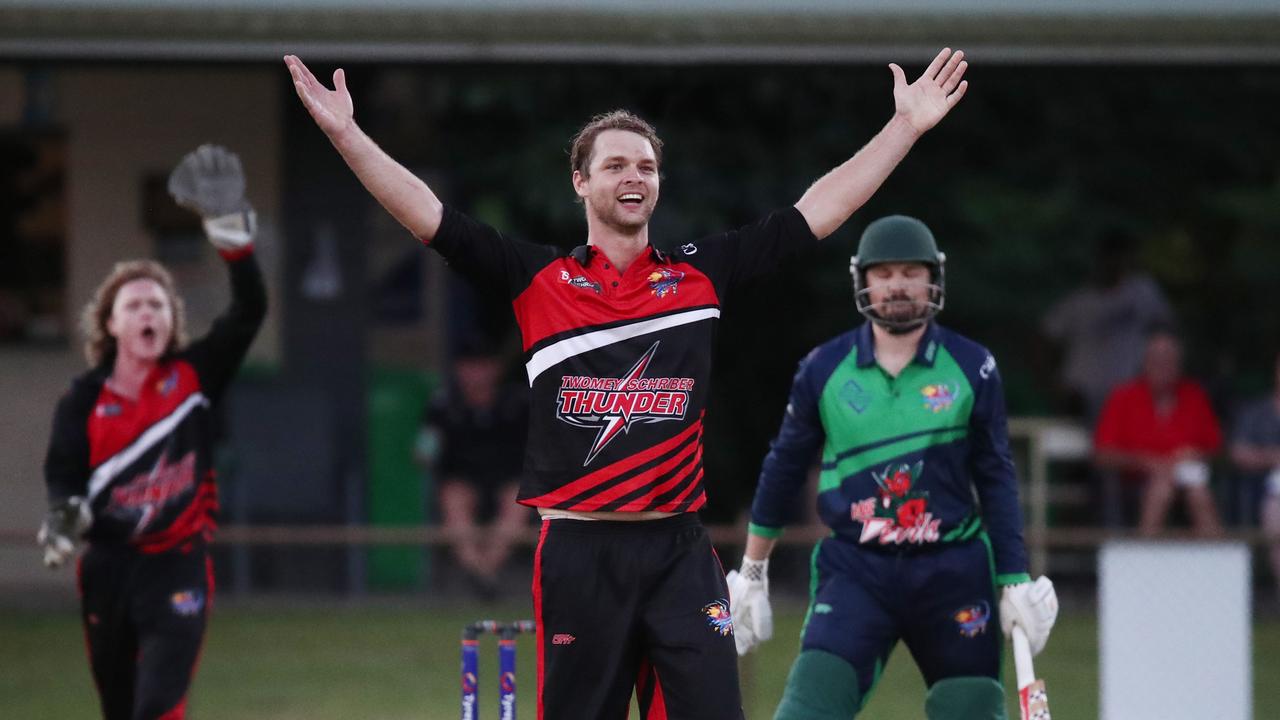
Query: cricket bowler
x,y
617,335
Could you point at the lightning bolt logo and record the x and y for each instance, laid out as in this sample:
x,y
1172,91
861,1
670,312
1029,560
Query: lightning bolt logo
x,y
613,405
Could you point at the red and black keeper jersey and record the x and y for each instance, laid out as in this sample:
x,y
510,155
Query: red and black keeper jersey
x,y
146,464
619,364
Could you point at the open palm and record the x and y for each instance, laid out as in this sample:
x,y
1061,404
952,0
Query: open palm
x,y
331,109
926,101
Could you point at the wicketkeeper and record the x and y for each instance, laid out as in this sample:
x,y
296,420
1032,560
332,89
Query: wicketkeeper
x,y
130,463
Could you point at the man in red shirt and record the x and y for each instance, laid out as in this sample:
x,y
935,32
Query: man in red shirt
x,y
1160,430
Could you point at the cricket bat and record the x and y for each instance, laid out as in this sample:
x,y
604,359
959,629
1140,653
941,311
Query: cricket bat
x,y
1032,699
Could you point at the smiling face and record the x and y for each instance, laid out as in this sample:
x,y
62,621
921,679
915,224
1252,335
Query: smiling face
x,y
620,185
141,320
899,292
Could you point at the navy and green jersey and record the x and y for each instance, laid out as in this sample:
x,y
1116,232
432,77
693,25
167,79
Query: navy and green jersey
x,y
908,462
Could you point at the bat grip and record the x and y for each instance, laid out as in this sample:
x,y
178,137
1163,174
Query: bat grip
x,y
1022,657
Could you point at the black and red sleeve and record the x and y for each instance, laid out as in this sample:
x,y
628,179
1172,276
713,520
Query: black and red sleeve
x,y
734,257
218,354
486,257
66,463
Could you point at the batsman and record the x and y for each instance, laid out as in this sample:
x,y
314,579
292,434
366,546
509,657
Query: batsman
x,y
918,487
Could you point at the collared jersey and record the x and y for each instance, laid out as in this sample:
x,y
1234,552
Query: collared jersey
x,y
618,364
907,462
146,464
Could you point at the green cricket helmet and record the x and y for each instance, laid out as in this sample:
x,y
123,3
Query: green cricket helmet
x,y
898,239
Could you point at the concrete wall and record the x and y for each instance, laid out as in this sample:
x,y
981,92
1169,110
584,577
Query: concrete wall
x,y
123,124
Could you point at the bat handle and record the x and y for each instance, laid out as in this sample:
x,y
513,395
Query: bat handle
x,y
1022,657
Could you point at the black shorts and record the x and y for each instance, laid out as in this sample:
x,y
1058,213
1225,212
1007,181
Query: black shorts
x,y
144,619
633,604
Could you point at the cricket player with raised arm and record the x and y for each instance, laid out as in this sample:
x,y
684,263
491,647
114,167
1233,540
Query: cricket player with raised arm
x,y
617,334
130,462
918,487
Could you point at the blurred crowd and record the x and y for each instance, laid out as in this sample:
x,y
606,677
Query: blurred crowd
x,y
1163,451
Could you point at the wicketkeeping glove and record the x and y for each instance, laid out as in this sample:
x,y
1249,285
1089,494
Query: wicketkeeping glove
x,y
61,530
749,604
1033,607
210,182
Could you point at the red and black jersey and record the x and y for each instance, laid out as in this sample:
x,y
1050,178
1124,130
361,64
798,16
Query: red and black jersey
x,y
619,364
146,464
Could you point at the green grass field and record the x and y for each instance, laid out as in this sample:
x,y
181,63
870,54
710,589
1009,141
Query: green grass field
x,y
350,662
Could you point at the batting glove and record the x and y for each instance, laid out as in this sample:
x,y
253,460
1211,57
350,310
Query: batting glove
x,y
61,530
1033,607
749,604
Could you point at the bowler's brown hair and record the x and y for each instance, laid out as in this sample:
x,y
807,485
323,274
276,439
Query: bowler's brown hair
x,y
585,141
99,345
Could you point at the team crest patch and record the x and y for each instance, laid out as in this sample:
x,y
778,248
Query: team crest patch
x,y
853,395
579,281
187,603
939,397
108,410
898,513
718,617
665,281
972,619
166,386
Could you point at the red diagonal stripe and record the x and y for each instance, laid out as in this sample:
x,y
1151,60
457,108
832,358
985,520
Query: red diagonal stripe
x,y
674,505
642,502
608,495
608,472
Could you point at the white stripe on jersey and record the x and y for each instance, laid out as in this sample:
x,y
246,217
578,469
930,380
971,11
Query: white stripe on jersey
x,y
556,353
116,464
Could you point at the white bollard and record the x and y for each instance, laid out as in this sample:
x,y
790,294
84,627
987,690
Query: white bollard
x,y
1175,631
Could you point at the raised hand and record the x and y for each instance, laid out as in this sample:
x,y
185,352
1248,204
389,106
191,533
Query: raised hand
x,y
926,101
331,109
209,181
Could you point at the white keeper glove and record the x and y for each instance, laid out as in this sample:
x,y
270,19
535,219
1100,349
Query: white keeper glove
x,y
61,530
749,604
1033,607
210,182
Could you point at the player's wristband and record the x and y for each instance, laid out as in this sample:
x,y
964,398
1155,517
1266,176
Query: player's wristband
x,y
773,533
1013,579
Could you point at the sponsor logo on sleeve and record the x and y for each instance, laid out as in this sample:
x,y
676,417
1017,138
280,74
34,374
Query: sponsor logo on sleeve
x,y
988,367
